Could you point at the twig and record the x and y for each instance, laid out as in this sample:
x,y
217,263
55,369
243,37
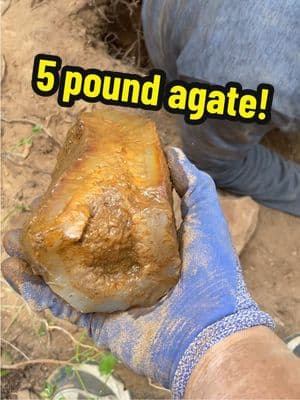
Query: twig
x,y
15,318
156,386
34,5
129,50
5,7
31,122
102,15
59,328
80,380
3,68
110,38
138,33
15,348
23,364
9,307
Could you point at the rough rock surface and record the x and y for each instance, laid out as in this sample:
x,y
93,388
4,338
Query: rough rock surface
x,y
241,214
103,236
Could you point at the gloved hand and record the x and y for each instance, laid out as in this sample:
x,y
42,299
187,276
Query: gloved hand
x,y
209,303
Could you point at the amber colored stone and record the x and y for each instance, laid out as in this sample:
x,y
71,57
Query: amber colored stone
x,y
103,236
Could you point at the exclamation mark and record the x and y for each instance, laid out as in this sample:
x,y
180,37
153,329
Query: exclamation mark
x,y
263,104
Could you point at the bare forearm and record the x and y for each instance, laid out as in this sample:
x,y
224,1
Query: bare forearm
x,y
253,363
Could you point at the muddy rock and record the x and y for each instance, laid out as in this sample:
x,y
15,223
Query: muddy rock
x,y
96,237
241,214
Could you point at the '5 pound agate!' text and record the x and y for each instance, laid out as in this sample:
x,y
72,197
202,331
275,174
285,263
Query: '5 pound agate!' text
x,y
196,101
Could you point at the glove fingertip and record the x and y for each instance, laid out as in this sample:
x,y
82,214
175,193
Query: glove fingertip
x,y
14,271
175,157
178,171
170,150
178,161
12,244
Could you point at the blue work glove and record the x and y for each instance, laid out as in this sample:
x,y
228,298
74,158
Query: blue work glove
x,y
209,303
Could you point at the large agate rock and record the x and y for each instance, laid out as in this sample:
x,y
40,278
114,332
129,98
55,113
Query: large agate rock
x,y
103,236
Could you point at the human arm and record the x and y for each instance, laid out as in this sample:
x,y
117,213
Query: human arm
x,y
251,364
209,303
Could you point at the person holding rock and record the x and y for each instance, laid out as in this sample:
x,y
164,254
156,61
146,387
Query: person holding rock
x,y
207,338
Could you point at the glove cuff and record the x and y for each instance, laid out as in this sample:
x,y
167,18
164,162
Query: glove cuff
x,y
210,336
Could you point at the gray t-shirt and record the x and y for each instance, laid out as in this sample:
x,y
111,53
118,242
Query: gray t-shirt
x,y
247,41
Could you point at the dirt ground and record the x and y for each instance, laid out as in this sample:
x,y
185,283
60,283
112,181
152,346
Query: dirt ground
x,y
86,33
